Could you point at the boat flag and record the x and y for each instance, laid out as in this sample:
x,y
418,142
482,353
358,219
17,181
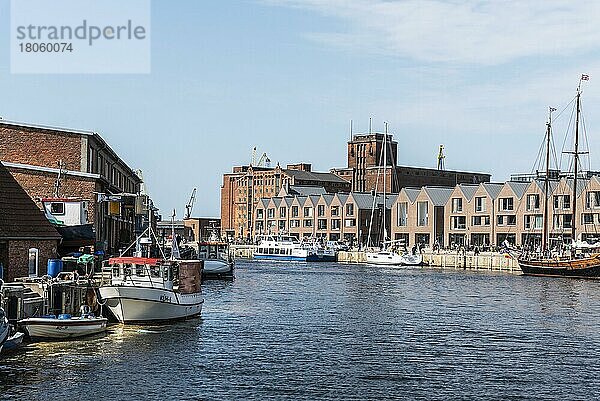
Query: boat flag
x,y
585,77
552,109
174,246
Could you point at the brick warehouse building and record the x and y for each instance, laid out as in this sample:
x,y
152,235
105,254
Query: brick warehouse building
x,y
23,226
246,185
365,163
36,155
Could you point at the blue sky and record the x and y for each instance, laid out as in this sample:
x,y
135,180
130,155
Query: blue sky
x,y
287,77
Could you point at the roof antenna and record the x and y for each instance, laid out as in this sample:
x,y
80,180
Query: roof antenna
x,y
351,130
370,120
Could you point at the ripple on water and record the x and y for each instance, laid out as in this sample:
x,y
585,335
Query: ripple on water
x,y
332,331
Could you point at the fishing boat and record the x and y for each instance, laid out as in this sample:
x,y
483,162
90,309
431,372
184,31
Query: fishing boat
x,y
149,290
63,326
289,248
578,261
218,263
145,290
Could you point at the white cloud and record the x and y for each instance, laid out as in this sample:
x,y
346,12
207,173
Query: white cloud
x,y
460,31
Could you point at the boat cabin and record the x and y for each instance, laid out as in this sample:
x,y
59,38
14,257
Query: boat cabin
x,y
143,272
213,250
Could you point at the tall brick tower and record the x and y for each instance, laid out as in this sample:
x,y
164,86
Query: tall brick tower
x,y
365,152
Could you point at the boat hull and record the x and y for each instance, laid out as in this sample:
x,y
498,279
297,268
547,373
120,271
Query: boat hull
x,y
387,259
13,342
45,328
293,258
582,268
147,305
216,269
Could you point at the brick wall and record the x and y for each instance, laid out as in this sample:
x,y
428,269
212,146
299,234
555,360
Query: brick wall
x,y
18,257
40,147
40,184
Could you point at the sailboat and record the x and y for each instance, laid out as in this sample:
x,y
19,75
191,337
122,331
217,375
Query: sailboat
x,y
575,263
387,257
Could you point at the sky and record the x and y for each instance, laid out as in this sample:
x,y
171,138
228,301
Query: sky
x,y
287,76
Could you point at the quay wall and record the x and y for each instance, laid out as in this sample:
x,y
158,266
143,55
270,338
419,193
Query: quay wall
x,y
483,261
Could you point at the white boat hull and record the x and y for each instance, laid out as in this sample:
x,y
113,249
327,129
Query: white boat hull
x,y
146,304
13,342
39,327
387,258
217,268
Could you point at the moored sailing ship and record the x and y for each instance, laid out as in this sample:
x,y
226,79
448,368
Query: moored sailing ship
x,y
577,262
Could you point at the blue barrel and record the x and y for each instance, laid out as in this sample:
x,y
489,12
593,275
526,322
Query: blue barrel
x,y
55,266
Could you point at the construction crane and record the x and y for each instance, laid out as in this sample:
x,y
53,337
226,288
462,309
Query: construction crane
x,y
264,160
190,205
441,157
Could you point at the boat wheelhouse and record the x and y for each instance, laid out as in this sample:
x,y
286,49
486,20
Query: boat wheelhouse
x,y
217,260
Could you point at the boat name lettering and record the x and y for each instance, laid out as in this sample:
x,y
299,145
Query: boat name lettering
x,y
165,298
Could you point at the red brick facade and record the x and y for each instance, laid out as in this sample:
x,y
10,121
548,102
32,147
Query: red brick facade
x,y
18,253
89,167
39,184
49,147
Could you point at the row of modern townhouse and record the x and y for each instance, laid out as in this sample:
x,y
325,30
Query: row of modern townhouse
x,y
481,215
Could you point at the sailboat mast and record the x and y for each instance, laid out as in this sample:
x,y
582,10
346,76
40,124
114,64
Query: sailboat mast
x,y
575,166
384,178
546,182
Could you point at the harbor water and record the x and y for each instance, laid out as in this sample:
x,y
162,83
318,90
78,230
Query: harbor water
x,y
286,331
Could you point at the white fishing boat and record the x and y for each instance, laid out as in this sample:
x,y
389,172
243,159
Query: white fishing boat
x,y
144,290
64,326
217,261
289,248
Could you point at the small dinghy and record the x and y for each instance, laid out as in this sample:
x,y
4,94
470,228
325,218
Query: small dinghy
x,y
13,342
64,326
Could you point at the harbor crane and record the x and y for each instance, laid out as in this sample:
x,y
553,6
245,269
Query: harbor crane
x,y
264,160
441,157
190,205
